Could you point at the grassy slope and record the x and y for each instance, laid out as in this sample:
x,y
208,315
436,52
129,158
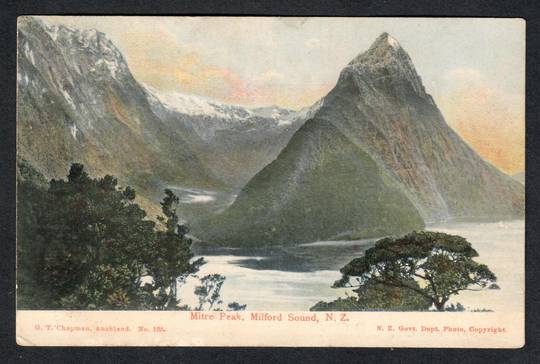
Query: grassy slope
x,y
320,186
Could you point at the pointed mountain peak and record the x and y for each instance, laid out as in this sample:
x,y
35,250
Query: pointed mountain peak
x,y
384,49
386,58
26,23
384,41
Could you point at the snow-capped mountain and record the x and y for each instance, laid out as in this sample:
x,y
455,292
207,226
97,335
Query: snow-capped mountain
x,y
214,115
197,105
236,141
79,102
376,158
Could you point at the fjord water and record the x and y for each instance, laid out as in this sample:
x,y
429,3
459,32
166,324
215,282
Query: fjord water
x,y
295,278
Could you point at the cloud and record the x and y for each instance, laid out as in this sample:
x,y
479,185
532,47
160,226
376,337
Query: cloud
x,y
194,75
462,75
270,76
490,120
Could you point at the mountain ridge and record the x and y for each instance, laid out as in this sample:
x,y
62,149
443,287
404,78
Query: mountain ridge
x,y
380,105
281,202
235,142
79,102
413,117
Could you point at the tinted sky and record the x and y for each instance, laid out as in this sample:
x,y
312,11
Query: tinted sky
x,y
474,68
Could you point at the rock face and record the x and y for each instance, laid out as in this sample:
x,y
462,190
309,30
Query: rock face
x,y
374,157
233,141
379,148
381,104
321,186
520,177
78,102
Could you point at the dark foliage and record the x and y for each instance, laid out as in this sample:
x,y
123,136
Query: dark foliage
x,y
428,265
84,243
373,296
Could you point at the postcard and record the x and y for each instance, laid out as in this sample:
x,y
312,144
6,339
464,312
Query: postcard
x,y
270,181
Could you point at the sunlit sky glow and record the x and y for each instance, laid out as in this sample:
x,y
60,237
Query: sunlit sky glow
x,y
474,68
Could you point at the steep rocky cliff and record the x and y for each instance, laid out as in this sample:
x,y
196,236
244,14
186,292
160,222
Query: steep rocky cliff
x,y
235,142
385,157
380,103
375,156
78,102
322,186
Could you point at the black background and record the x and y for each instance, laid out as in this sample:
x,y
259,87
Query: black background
x,y
9,10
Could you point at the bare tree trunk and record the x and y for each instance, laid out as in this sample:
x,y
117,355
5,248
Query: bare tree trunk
x,y
439,305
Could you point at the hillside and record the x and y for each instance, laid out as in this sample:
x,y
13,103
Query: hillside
x,y
378,126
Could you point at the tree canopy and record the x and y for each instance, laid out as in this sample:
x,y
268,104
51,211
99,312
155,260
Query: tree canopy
x,y
84,243
373,296
87,243
430,265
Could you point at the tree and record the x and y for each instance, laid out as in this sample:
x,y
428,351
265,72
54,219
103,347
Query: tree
x,y
170,258
373,296
84,243
88,244
31,193
209,294
431,265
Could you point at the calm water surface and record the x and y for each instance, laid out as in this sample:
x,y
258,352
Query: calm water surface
x,y
295,278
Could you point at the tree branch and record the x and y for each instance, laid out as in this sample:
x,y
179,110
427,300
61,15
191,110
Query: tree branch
x,y
401,285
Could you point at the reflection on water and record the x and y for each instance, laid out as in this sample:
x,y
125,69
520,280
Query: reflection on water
x,y
328,255
297,277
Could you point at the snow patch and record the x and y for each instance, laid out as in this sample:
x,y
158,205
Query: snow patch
x,y
73,130
68,98
198,199
279,115
198,105
29,53
53,32
112,66
19,77
393,42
